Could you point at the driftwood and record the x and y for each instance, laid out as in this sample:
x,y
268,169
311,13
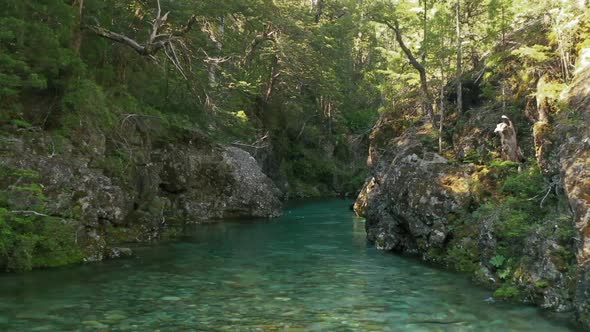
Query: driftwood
x,y
510,149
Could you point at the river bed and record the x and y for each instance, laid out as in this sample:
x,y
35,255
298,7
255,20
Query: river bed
x,y
309,270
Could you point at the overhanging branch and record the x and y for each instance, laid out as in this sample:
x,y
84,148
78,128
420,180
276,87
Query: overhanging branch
x,y
161,36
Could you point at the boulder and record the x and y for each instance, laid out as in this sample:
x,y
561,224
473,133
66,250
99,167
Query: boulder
x,y
411,196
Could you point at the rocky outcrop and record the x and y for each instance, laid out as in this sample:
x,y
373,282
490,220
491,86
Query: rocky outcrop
x,y
562,146
545,276
254,193
574,165
411,196
419,203
149,181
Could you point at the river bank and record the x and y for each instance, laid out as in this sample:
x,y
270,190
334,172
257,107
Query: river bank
x,y
309,270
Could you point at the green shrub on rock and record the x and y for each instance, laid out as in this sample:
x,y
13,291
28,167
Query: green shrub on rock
x,y
506,292
29,237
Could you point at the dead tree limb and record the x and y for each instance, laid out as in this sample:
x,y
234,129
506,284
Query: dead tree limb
x,y
161,37
510,149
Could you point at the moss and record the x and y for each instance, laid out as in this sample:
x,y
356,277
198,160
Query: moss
x,y
435,255
31,239
130,233
463,257
541,284
507,292
56,245
114,166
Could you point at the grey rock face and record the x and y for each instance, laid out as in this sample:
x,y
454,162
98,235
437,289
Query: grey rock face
x,y
410,197
254,193
189,179
574,165
546,276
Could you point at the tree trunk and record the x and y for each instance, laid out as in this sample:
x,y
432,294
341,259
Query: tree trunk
x,y
510,149
318,7
503,84
427,100
503,26
77,38
274,75
424,29
442,117
459,59
219,45
542,130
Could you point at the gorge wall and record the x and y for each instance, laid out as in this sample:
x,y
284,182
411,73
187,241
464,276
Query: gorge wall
x,y
521,229
80,198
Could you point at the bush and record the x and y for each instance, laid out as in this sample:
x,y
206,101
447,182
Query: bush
x,y
507,292
30,239
526,184
463,257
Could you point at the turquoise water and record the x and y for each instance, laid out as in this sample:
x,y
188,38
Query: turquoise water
x,y
310,270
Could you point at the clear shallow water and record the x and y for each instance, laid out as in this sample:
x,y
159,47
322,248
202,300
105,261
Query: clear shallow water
x,y
310,270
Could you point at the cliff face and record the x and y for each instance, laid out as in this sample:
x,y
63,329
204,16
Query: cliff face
x,y
573,153
98,194
410,196
522,229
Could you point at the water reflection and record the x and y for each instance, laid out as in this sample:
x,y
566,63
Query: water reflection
x,y
310,270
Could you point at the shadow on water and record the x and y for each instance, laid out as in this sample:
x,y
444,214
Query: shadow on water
x,y
309,270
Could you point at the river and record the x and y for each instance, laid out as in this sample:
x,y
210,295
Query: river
x,y
310,270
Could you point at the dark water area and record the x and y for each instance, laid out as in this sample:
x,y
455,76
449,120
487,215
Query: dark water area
x,y
310,270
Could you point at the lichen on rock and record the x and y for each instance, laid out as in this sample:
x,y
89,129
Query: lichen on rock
x,y
166,177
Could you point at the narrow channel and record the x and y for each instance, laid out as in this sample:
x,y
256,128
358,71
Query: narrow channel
x,y
310,270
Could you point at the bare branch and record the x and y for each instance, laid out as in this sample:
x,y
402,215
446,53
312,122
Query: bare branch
x,y
269,34
102,32
35,213
159,9
160,37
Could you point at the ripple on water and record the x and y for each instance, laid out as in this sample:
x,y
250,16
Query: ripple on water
x,y
310,270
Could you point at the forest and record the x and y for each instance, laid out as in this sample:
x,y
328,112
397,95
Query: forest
x,y
304,75
459,126
307,76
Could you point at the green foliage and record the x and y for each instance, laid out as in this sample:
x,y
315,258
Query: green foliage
x,y
538,53
541,284
513,221
507,292
21,123
497,261
474,156
505,273
30,238
463,257
34,48
310,83
524,185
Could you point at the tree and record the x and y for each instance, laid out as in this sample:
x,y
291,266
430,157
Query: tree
x,y
426,98
459,57
161,37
